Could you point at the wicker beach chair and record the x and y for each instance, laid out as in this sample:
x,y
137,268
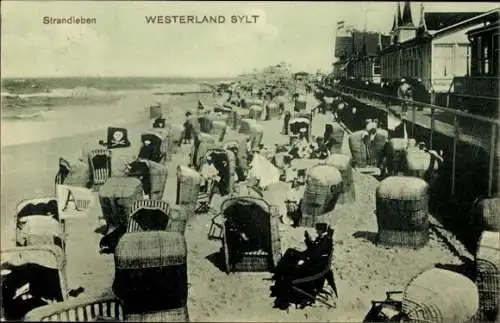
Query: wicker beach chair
x,y
402,212
37,223
40,270
218,129
255,112
417,162
151,276
75,173
487,276
396,158
100,165
224,161
151,215
116,198
256,135
152,175
155,111
107,308
238,145
246,126
300,127
440,296
272,111
202,143
206,123
358,149
259,221
158,139
343,164
188,188
234,118
336,140
300,103
323,187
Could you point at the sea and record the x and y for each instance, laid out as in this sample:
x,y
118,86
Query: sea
x,y
39,109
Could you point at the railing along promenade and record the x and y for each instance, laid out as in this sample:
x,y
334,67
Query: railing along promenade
x,y
472,129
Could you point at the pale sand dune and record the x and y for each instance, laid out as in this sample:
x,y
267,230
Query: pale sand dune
x,y
363,271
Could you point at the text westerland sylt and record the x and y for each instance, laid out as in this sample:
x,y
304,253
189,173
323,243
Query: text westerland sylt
x,y
191,19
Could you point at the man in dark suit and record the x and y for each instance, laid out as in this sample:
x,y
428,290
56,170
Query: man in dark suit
x,y
296,263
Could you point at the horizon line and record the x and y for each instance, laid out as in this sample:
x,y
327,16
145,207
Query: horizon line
x,y
113,76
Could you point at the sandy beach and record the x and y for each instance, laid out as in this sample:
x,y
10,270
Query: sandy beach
x,y
363,271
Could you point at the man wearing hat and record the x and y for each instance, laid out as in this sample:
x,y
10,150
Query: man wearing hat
x,y
296,264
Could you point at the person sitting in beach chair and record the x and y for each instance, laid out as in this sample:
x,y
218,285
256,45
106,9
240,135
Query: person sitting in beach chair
x,y
319,149
296,264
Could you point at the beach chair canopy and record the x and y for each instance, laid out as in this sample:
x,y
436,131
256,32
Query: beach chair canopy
x,y
38,206
439,295
249,215
100,165
151,174
148,215
38,271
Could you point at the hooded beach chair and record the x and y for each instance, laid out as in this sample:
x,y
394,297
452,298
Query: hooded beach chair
x,y
435,295
37,223
300,127
202,143
151,215
151,276
31,276
153,145
100,166
251,239
224,161
116,198
107,308
188,187
152,175
75,173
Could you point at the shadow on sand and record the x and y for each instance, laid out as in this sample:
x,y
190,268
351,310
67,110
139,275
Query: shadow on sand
x,y
217,259
366,235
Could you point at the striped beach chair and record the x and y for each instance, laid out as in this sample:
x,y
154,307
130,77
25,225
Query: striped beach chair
x,y
100,165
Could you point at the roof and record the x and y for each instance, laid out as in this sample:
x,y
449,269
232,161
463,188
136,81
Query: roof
x,y
440,20
482,29
359,37
343,46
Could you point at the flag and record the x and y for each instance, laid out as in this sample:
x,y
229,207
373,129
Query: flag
x,y
392,121
73,201
340,24
117,138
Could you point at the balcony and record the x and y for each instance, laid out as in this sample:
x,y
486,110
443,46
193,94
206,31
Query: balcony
x,y
479,86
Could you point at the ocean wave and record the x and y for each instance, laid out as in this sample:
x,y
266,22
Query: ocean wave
x,y
24,115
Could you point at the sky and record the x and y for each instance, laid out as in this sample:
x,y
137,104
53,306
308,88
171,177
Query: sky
x,y
121,43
